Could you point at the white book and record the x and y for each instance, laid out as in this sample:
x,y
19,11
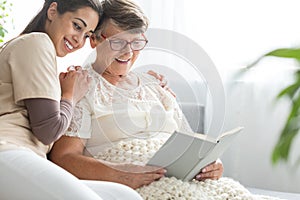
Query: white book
x,y
183,155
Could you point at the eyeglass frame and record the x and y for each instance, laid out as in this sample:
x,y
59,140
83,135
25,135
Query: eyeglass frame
x,y
110,44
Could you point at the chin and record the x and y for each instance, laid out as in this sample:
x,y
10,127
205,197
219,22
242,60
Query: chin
x,y
123,74
61,53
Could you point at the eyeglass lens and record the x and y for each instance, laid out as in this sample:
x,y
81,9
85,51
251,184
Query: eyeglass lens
x,y
135,45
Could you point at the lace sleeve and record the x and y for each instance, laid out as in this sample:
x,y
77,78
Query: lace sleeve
x,y
81,122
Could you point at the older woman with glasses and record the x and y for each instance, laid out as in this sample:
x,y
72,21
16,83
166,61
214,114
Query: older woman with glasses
x,y
120,105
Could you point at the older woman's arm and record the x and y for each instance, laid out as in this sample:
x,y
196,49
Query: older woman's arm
x,y
67,152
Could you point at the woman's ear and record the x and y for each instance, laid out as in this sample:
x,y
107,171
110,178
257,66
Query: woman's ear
x,y
93,41
52,11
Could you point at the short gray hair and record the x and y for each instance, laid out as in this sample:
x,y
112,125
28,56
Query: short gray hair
x,y
125,14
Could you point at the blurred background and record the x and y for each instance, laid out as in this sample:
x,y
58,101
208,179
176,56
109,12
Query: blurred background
x,y
233,33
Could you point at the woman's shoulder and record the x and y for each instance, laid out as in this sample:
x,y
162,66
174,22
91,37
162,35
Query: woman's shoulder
x,y
34,35
31,40
36,38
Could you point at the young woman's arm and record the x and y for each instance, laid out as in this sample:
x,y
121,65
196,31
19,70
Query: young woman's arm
x,y
48,119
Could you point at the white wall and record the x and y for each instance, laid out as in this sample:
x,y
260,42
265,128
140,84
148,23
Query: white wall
x,y
251,103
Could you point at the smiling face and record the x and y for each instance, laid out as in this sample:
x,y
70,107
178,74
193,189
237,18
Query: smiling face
x,y
118,63
69,31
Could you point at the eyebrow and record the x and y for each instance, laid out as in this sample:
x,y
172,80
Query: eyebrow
x,y
117,37
81,21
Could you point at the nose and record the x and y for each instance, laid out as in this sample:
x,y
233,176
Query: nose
x,y
126,52
127,49
80,39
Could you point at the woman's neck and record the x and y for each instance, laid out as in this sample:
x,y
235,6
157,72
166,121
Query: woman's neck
x,y
112,79
127,82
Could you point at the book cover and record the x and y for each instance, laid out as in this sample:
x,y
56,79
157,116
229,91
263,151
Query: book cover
x,y
183,155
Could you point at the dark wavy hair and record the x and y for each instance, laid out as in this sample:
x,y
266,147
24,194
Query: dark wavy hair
x,y
37,24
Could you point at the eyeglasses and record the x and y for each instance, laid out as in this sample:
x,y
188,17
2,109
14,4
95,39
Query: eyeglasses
x,y
120,44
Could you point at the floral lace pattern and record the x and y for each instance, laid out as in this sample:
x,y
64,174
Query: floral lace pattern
x,y
135,105
146,90
73,129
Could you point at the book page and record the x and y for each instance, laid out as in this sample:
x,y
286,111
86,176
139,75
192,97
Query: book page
x,y
233,131
180,153
224,141
201,136
183,155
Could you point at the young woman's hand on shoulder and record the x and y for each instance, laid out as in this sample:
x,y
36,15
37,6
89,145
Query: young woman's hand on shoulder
x,y
74,84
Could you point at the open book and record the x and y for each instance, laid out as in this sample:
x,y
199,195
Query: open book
x,y
183,155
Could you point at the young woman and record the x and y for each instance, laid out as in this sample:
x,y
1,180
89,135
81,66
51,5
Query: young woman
x,y
36,104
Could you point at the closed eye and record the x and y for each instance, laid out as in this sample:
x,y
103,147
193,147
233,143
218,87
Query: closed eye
x,y
138,42
77,26
118,42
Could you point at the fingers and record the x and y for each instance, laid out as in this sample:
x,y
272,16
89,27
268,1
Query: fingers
x,y
152,177
162,81
76,72
213,171
150,169
71,68
155,177
156,171
139,178
156,75
67,75
146,179
160,77
208,175
170,90
74,68
62,75
212,167
74,83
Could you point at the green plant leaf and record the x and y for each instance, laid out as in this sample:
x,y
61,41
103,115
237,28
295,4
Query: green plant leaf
x,y
283,145
4,16
282,53
2,32
291,129
289,91
285,53
292,126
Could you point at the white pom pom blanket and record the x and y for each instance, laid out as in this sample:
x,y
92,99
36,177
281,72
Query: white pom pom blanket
x,y
139,151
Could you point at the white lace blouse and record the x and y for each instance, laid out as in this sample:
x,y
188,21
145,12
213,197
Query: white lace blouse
x,y
137,107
